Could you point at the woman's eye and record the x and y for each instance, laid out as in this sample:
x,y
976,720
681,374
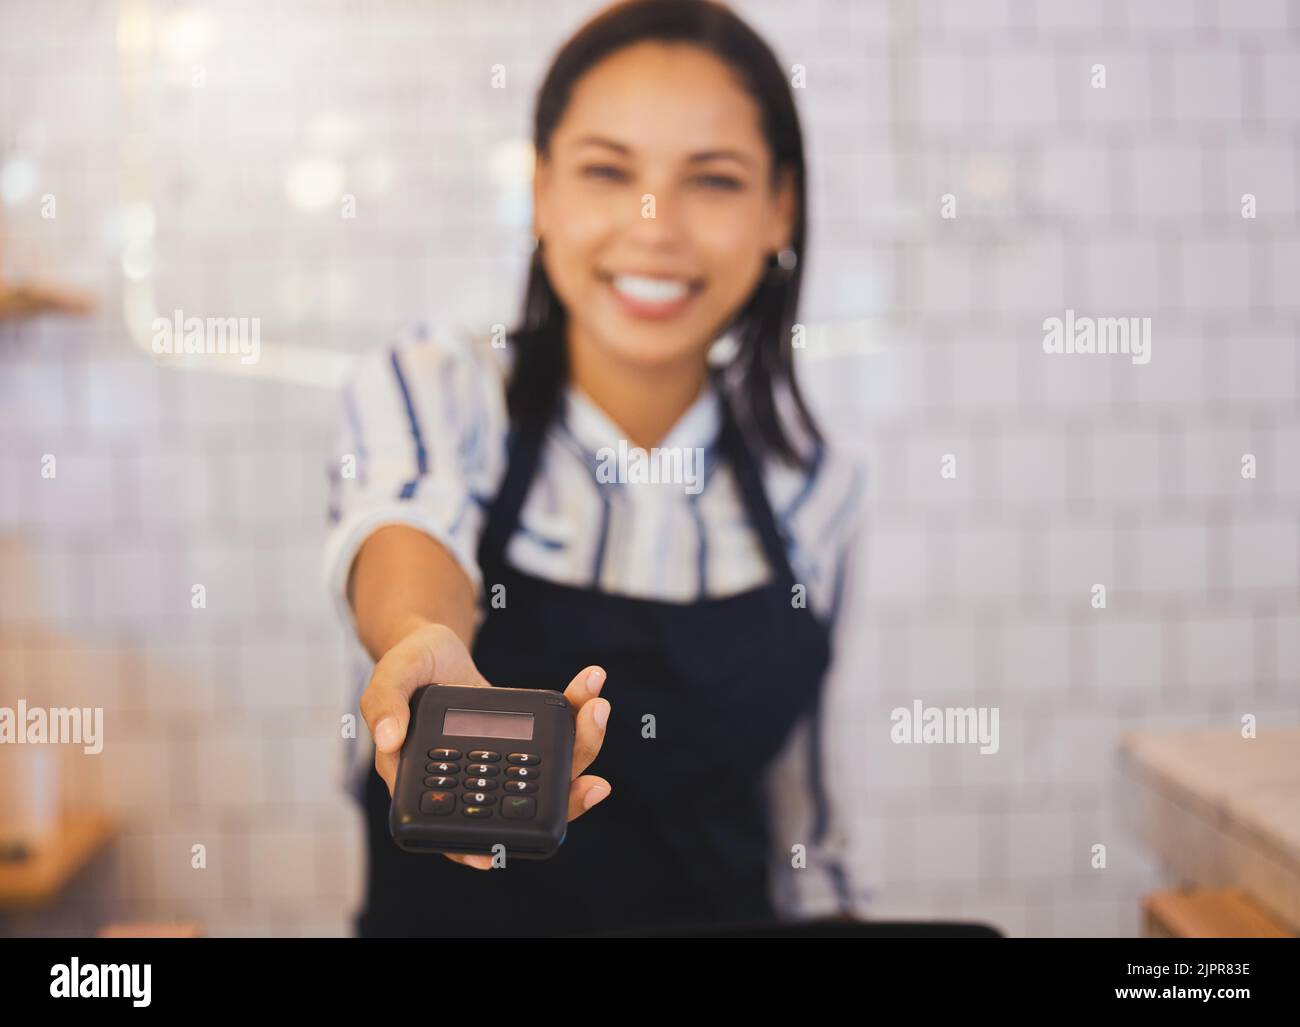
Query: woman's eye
x,y
725,182
606,172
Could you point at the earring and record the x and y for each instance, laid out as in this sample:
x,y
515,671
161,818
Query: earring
x,y
780,265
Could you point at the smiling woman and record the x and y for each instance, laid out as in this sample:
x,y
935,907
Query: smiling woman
x,y
669,213
669,206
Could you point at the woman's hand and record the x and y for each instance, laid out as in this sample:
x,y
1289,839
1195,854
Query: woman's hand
x,y
434,654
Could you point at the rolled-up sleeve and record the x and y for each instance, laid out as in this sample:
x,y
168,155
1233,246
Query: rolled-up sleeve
x,y
417,439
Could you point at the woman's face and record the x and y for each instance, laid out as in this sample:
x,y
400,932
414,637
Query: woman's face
x,y
655,206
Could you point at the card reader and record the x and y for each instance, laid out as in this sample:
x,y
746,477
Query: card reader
x,y
484,767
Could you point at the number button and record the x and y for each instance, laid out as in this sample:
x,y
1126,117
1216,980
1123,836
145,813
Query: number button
x,y
481,769
478,799
485,756
483,784
444,754
439,782
442,768
532,773
532,759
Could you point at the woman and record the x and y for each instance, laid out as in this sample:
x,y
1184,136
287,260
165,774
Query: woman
x,y
483,541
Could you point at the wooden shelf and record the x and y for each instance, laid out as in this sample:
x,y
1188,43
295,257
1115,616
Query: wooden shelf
x,y
38,879
33,299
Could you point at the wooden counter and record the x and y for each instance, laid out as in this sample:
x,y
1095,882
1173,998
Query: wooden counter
x,y
1220,810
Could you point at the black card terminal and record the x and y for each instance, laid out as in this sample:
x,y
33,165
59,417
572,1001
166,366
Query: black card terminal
x,y
483,767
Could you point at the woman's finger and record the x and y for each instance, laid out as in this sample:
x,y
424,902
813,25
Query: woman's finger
x,y
592,715
586,684
590,734
479,861
585,792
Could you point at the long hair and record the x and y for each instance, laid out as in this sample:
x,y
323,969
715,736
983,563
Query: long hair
x,y
761,327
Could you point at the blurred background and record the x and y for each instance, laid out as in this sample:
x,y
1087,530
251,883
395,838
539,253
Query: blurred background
x,y
157,156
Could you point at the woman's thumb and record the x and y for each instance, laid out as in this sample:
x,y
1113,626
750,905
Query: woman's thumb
x,y
387,711
389,733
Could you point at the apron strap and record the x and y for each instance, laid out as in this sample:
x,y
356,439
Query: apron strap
x,y
752,492
524,446
523,453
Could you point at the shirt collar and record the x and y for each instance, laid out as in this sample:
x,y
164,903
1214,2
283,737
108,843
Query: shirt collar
x,y
593,429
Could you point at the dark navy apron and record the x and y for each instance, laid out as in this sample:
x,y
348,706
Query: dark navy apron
x,y
704,695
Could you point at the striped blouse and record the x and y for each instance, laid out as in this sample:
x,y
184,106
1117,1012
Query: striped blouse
x,y
425,421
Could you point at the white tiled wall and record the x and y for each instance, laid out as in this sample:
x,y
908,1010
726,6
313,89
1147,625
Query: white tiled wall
x,y
1123,201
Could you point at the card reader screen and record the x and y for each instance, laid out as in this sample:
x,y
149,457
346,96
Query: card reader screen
x,y
488,724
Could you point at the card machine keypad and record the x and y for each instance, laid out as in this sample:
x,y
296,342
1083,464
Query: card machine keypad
x,y
480,784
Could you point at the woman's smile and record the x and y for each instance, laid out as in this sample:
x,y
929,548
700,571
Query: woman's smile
x,y
651,297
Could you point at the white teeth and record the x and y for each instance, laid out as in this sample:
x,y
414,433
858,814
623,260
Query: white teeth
x,y
650,290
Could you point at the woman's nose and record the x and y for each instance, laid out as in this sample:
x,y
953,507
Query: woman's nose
x,y
658,217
